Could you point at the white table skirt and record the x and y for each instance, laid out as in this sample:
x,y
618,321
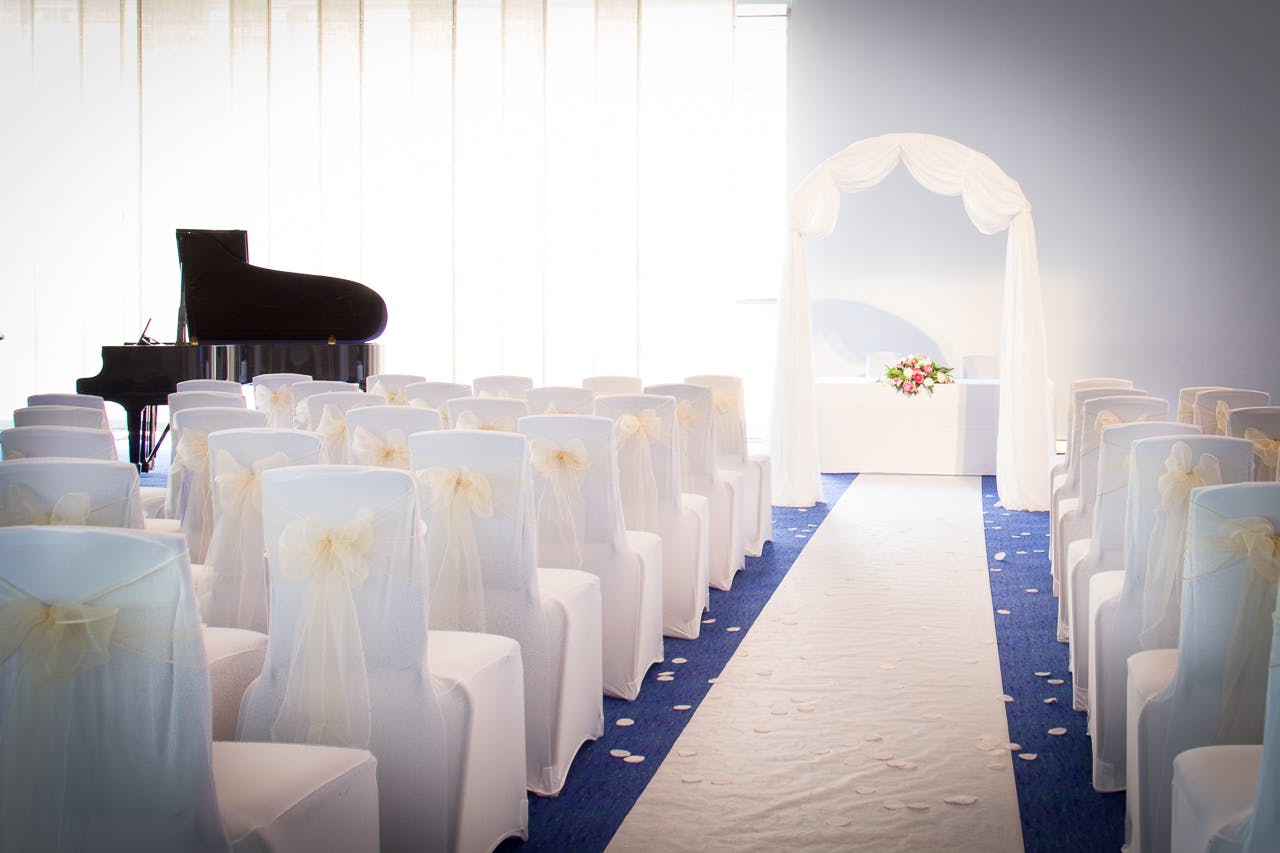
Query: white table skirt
x,y
868,427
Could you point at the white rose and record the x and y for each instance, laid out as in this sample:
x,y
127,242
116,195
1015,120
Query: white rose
x,y
928,382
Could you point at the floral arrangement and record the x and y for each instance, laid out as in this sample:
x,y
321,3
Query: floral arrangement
x,y
916,372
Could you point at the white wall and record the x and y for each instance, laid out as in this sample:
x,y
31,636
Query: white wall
x,y
1144,135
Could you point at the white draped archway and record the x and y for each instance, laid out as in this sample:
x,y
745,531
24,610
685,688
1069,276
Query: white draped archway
x,y
994,202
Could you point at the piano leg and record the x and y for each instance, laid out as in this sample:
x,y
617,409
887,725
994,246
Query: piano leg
x,y
142,436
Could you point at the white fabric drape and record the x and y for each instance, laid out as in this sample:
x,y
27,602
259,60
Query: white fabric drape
x,y
994,202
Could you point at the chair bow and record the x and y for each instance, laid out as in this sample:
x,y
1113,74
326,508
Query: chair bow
x,y
276,402
388,451
241,485
564,469
56,640
723,401
301,414
470,420
1106,418
394,396
333,427
636,434
686,414
1179,477
192,452
189,477
1221,413
23,505
443,409
326,697
1253,541
645,423
456,496
1266,448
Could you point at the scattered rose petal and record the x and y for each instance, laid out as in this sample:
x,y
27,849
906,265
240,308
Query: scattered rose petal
x,y
634,759
1052,700
838,821
681,707
1013,747
960,799
918,806
666,678
779,712
733,629
679,660
882,756
1003,612
1005,697
894,805
625,721
688,753
873,738
690,779
997,570
1000,555
764,730
619,753
1033,590
1043,674
865,790
903,765
1055,681
1058,731
708,621
715,680
1027,756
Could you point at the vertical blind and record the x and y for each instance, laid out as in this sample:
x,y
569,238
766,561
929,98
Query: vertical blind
x,y
544,187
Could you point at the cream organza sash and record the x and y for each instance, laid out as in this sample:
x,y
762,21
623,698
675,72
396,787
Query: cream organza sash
x,y
688,418
326,696
1221,413
394,397
276,402
1113,467
191,468
1253,541
46,646
442,409
1161,601
236,592
561,508
1266,448
728,427
390,450
301,414
636,434
455,497
470,420
333,428
24,505
1107,418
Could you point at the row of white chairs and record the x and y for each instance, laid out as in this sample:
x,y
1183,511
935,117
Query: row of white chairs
x,y
1165,655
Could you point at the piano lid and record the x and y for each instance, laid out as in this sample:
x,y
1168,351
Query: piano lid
x,y
225,298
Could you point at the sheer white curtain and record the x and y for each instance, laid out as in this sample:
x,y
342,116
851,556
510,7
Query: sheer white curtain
x,y
542,187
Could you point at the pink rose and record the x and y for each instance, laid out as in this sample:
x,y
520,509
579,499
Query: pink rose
x,y
928,368
909,387
917,376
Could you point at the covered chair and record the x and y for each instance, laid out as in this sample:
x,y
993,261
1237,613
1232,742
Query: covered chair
x,y
234,590
557,400
72,416
1160,477
379,435
730,417
327,414
701,476
1212,688
392,385
273,394
77,442
507,387
1227,798
1214,405
482,570
650,485
226,386
114,752
580,526
1261,425
86,401
1187,401
177,402
348,662
1059,470
602,386
434,395
300,391
486,413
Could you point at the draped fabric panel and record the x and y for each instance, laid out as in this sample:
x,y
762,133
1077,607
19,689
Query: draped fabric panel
x,y
532,185
994,202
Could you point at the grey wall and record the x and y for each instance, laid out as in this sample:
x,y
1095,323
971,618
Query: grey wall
x,y
1143,132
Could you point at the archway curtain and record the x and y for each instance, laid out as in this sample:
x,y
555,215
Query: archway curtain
x,y
995,203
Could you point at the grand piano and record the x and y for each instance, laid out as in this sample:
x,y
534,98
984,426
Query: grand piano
x,y
235,321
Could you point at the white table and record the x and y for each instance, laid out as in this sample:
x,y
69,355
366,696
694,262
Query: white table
x,y
868,427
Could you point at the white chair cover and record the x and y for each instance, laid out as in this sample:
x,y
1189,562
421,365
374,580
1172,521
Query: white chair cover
x,y
379,435
1216,693
301,390
77,442
1059,469
1261,425
649,483
1074,513
579,507
53,491
1103,551
730,418
483,571
1187,401
72,416
559,400
505,387
485,413
392,385
327,415
226,386
114,751
434,395
177,402
234,591
273,394
601,386
1213,406
189,475
701,476
90,401
347,661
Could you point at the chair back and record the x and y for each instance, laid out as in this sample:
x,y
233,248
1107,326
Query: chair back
x,y
1213,407
486,413
234,594
506,387
1088,383
226,386
308,388
559,400
1097,414
694,424
94,492
273,394
729,414
379,435
83,401
1187,401
392,385
327,414
648,451
1261,425
105,738
1071,486
434,395
72,416
179,400
601,386
77,442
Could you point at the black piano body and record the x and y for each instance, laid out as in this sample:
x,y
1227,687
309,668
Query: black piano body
x,y
242,321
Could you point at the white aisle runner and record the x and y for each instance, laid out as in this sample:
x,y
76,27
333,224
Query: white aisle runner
x,y
863,710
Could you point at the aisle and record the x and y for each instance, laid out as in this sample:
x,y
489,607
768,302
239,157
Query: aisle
x,y
864,699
